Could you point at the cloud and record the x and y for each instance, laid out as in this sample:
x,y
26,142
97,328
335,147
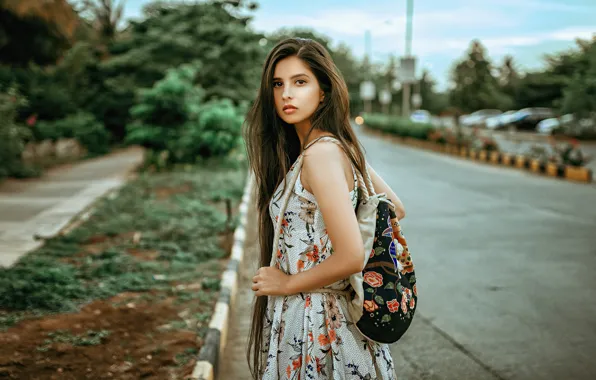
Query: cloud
x,y
498,45
353,22
544,6
442,31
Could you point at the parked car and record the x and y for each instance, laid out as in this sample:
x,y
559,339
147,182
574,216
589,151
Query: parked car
x,y
420,116
528,118
567,124
478,118
546,126
499,121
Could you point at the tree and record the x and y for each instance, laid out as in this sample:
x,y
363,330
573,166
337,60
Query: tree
x,y
540,89
432,101
178,33
475,87
35,31
348,65
105,16
384,78
579,97
509,77
566,84
12,135
212,36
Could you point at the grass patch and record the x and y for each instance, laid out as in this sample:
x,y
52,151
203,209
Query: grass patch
x,y
160,230
89,338
184,357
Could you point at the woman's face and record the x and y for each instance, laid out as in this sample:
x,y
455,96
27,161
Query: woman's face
x,y
296,91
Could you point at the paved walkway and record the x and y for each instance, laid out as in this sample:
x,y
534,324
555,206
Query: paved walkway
x,y
234,366
44,206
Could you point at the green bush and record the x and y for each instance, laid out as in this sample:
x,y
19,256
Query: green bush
x,y
47,97
163,110
215,134
170,121
12,136
398,126
78,82
82,126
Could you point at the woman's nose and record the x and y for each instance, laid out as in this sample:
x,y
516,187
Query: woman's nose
x,y
286,94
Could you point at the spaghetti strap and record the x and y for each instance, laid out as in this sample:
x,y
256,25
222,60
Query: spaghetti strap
x,y
317,139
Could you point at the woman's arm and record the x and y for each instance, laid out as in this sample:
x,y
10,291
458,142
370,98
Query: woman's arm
x,y
323,168
381,187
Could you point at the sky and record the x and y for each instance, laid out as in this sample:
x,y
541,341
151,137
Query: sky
x,y
441,31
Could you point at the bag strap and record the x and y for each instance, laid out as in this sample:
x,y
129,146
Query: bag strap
x,y
364,180
285,198
283,206
290,185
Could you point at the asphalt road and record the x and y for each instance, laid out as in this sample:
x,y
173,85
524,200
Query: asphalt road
x,y
506,267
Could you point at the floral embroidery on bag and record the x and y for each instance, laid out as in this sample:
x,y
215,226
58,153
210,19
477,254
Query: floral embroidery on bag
x,y
393,305
374,279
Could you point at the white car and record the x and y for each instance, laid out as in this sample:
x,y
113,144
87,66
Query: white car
x,y
420,116
477,119
496,122
546,126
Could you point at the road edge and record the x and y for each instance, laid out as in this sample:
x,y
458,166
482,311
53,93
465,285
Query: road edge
x,y
515,161
84,204
206,367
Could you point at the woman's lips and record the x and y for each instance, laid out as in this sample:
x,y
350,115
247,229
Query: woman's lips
x,y
290,110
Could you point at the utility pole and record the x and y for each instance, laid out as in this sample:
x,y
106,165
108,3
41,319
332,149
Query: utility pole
x,y
368,52
409,13
367,87
407,86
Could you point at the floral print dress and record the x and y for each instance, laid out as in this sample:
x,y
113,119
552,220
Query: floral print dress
x,y
309,335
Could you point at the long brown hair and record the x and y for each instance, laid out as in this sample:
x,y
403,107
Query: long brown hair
x,y
273,145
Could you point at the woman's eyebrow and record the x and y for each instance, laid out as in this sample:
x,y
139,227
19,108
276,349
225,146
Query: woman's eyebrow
x,y
293,76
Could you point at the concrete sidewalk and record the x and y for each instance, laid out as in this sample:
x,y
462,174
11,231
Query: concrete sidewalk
x,y
44,206
233,365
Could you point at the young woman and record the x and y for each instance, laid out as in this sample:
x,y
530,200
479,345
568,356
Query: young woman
x,y
300,327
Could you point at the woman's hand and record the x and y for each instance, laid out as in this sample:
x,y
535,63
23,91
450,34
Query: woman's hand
x,y
270,281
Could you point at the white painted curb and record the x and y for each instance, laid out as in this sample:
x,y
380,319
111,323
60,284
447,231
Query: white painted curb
x,y
215,341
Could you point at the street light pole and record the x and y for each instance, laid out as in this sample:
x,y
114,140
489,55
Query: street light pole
x,y
405,105
409,13
368,55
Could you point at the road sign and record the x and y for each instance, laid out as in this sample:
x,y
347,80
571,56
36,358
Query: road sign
x,y
367,90
416,100
385,97
407,70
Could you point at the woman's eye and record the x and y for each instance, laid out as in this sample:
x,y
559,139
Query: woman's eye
x,y
299,82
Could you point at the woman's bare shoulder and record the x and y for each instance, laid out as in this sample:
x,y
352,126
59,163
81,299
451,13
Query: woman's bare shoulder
x,y
324,161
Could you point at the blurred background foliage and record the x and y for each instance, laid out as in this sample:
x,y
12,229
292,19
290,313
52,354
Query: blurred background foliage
x,y
179,79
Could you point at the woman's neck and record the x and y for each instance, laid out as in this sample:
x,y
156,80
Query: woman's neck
x,y
302,132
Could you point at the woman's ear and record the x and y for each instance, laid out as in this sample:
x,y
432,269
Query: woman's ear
x,y
322,95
